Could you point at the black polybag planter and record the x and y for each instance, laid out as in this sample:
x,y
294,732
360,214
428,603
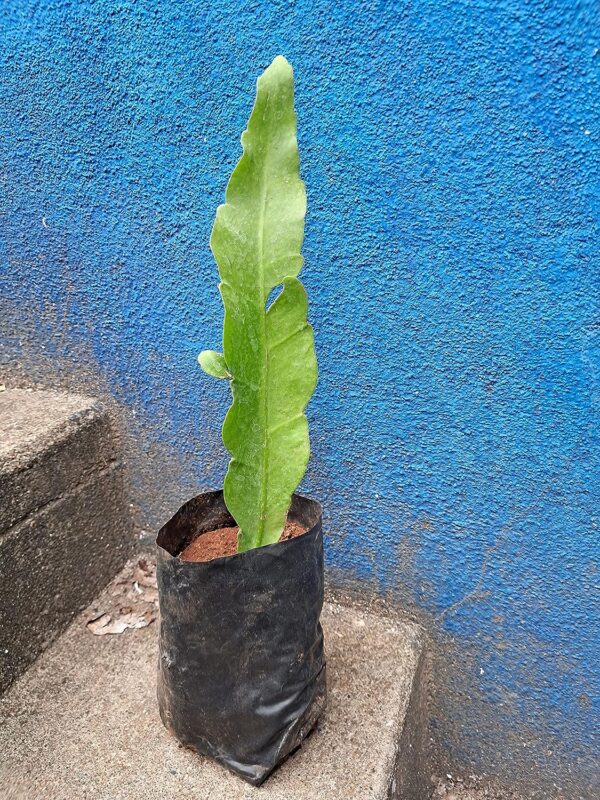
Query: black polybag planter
x,y
241,674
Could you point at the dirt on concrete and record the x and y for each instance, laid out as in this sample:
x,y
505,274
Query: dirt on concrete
x,y
452,787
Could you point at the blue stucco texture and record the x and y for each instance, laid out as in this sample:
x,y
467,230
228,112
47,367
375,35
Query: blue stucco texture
x,y
451,155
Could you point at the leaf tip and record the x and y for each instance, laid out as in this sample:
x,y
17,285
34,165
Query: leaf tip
x,y
282,61
280,69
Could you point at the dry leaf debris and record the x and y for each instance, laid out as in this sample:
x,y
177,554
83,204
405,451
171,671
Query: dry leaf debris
x,y
130,601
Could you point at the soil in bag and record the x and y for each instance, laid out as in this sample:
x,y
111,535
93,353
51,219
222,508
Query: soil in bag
x,y
223,542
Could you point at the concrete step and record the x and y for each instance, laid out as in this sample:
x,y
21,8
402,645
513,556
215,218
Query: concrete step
x,y
83,721
65,527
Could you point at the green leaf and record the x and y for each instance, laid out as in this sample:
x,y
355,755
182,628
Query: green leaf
x,y
214,364
256,241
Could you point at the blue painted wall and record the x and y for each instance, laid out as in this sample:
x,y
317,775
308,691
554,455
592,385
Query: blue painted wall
x,y
451,154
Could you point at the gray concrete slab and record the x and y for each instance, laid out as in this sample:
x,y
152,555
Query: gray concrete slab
x,y
49,443
65,526
83,723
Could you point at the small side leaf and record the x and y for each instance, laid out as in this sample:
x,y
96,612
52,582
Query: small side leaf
x,y
214,364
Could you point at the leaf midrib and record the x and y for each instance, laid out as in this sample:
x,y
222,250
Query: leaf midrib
x,y
263,317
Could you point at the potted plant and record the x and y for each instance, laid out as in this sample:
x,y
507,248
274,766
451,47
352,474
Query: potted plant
x,y
240,571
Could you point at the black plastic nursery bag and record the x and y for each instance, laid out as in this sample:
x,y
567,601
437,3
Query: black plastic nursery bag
x,y
241,673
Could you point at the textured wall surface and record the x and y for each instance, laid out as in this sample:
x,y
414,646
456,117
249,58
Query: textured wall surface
x,y
451,153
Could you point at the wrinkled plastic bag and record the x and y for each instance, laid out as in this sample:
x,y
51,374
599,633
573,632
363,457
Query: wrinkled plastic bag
x,y
241,674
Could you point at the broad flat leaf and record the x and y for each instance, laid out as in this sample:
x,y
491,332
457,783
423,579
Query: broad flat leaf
x,y
214,364
270,355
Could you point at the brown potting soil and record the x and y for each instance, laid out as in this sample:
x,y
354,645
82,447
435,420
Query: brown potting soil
x,y
223,542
